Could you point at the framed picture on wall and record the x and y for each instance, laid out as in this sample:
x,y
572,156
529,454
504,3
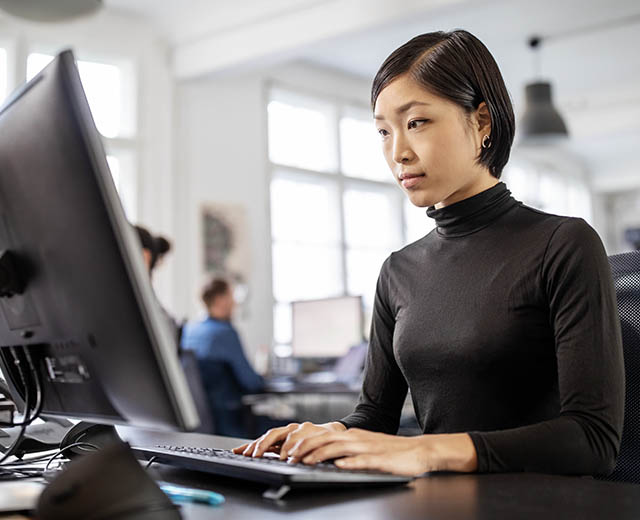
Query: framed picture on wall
x,y
225,239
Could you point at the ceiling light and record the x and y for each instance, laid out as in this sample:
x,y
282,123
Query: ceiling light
x,y
540,118
50,10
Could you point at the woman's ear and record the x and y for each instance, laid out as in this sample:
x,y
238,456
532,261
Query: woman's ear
x,y
483,118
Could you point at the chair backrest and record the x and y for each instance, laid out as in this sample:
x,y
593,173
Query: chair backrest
x,y
224,396
626,276
191,369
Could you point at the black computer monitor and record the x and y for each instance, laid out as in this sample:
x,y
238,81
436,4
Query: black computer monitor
x,y
77,307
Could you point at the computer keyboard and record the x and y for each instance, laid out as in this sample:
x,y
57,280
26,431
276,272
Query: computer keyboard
x,y
268,460
268,470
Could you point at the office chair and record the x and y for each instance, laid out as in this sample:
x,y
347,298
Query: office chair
x,y
224,398
626,277
191,370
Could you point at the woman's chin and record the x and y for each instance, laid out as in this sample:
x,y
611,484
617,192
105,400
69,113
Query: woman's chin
x,y
421,200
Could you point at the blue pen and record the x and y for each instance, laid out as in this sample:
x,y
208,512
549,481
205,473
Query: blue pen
x,y
182,494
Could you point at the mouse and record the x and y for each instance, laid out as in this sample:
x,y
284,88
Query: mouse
x,y
103,485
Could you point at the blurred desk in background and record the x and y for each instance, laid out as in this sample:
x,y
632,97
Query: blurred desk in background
x,y
317,407
318,403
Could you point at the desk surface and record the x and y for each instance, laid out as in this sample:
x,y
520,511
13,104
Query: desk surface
x,y
500,496
282,386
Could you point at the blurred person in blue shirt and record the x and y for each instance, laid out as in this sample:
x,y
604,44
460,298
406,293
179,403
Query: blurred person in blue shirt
x,y
226,372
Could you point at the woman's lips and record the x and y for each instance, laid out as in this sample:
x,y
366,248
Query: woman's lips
x,y
409,181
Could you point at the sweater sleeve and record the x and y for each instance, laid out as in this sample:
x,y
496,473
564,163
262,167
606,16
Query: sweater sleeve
x,y
384,388
585,437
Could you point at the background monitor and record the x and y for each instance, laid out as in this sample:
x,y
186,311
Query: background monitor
x,y
76,301
326,328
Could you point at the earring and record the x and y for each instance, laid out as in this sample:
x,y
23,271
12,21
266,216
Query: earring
x,y
486,141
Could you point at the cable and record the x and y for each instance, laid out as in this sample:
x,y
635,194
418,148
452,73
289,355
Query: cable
x,y
61,451
27,462
39,391
14,469
27,408
151,461
16,473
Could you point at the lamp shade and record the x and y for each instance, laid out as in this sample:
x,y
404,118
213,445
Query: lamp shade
x,y
50,10
540,118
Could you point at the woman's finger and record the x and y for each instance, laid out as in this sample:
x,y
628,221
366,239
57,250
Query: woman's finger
x,y
335,450
306,445
248,451
250,447
304,431
240,449
271,438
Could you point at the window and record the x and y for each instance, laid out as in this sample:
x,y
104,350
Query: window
x,y
360,150
110,93
562,191
125,183
336,213
301,132
306,239
373,228
3,74
416,222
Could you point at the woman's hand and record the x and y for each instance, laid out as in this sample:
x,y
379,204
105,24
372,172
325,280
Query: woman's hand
x,y
282,440
361,449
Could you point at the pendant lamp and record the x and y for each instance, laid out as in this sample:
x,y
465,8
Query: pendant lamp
x,y
50,10
540,118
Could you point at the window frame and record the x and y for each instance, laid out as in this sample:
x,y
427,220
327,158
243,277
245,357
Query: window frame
x,y
342,107
125,146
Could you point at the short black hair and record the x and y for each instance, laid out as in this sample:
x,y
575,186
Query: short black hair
x,y
216,287
457,66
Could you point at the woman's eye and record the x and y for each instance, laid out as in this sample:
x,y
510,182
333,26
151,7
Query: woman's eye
x,y
415,123
383,132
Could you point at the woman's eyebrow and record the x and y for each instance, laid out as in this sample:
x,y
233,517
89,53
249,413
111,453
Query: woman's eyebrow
x,y
404,108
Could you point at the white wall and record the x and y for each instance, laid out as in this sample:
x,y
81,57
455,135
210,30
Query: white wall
x,y
220,155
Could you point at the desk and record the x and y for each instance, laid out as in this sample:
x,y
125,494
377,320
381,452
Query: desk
x,y
285,386
297,401
319,403
450,497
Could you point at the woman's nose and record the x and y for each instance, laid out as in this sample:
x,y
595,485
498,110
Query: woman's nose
x,y
402,152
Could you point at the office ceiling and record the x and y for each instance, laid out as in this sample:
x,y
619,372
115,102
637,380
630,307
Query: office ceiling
x,y
589,44
589,49
589,52
182,21
579,40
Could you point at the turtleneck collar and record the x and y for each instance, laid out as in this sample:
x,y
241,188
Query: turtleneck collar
x,y
473,214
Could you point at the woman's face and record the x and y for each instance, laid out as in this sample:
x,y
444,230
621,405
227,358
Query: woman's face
x,y
430,144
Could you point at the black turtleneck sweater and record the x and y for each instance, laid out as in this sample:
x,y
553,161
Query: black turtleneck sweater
x,y
503,324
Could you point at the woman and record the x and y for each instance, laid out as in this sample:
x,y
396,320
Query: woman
x,y
502,321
